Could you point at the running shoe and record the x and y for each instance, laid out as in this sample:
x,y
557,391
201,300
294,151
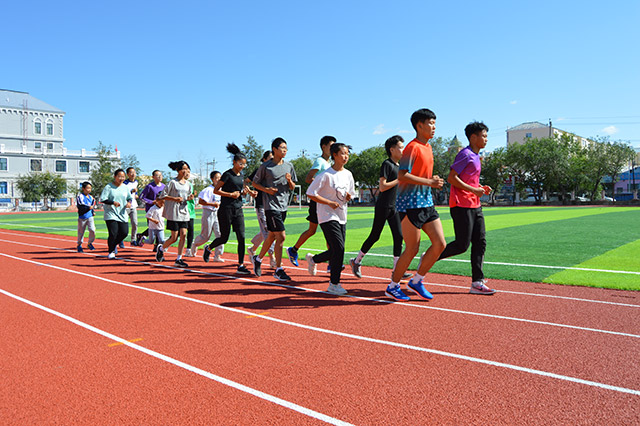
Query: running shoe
x,y
155,248
251,252
257,266
407,275
206,254
311,265
188,253
218,259
281,275
121,245
90,246
179,263
111,255
80,250
272,261
140,240
336,289
396,293
134,243
293,255
355,268
242,270
479,287
418,288
160,254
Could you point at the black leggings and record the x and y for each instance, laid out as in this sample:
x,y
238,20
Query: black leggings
x,y
391,216
469,228
335,234
227,217
118,231
190,233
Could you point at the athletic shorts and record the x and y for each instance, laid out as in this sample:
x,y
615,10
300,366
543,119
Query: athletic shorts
x,y
275,220
313,212
419,217
172,225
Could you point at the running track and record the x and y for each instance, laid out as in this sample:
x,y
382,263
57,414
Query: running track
x,y
86,340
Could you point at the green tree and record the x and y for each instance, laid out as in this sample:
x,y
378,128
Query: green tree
x,y
365,167
41,185
130,160
494,171
102,172
253,151
302,164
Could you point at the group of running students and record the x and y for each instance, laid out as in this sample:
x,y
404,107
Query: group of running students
x,y
405,203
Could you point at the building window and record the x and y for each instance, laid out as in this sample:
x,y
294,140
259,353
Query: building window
x,y
50,146
3,164
38,146
528,135
37,127
3,188
83,167
61,166
35,165
49,128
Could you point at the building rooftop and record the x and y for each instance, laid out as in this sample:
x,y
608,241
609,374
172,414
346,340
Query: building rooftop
x,y
529,126
14,99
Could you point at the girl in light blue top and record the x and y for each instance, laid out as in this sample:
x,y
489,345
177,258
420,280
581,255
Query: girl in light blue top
x,y
116,198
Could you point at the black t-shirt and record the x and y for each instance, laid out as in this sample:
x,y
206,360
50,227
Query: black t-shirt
x,y
388,170
258,204
232,183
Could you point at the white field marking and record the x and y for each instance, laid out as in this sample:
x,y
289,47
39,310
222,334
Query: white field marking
x,y
310,290
337,333
188,367
521,293
520,265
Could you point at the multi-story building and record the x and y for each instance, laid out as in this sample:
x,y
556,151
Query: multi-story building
x,y
32,140
536,130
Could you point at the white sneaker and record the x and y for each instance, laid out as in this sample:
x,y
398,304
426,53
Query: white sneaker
x,y
194,251
311,265
272,261
251,252
479,287
111,255
336,289
218,259
187,253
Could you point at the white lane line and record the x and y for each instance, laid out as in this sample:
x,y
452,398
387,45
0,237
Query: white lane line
x,y
188,367
520,265
351,336
521,293
369,299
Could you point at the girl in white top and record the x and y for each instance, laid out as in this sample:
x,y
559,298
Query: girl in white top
x,y
333,190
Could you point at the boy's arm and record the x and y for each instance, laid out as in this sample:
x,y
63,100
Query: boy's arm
x,y
434,182
454,179
310,175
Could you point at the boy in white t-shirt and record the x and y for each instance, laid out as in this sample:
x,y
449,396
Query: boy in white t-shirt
x,y
332,191
210,203
156,223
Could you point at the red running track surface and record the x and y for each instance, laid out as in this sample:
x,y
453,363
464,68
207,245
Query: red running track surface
x,y
86,340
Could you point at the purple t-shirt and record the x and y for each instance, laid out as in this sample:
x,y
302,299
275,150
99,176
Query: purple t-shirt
x,y
467,165
150,193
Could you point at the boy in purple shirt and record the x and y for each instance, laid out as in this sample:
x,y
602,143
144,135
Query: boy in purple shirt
x,y
148,196
466,210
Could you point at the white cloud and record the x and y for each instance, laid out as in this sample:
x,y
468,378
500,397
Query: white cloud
x,y
611,130
402,132
380,130
513,102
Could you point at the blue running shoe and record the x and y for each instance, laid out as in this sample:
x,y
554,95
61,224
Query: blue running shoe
x,y
80,249
121,245
418,288
293,255
90,246
396,293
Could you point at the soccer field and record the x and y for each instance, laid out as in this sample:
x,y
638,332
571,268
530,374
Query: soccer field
x,y
591,246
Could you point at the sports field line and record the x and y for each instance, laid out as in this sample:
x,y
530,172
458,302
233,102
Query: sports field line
x,y
521,293
188,367
341,334
520,265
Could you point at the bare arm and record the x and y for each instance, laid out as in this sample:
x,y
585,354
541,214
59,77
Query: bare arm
x,y
455,180
434,182
310,175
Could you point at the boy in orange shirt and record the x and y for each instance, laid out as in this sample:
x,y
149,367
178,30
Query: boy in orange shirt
x,y
466,210
414,198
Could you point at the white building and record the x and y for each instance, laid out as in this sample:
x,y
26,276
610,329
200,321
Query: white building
x,y
31,140
535,130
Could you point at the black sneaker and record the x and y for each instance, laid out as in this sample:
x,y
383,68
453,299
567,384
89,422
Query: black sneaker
x,y
155,248
257,266
160,254
180,264
80,250
207,254
281,275
242,270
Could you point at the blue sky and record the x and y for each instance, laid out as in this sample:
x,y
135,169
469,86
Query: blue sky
x,y
178,81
